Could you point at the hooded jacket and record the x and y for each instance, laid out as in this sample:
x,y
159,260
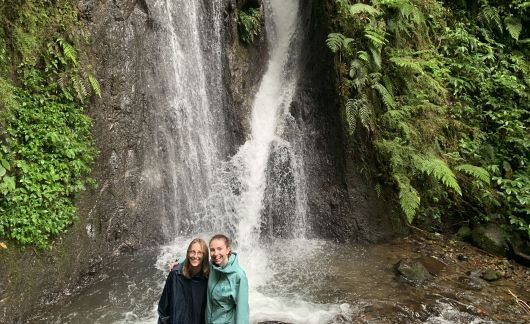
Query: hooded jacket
x,y
227,294
183,300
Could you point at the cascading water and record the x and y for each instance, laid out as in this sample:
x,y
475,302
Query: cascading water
x,y
187,141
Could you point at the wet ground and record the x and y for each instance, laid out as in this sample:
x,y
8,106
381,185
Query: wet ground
x,y
450,297
310,281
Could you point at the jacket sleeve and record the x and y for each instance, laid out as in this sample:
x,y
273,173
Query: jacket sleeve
x,y
242,308
165,301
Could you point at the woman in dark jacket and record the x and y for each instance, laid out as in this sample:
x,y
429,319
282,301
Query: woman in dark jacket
x,y
183,300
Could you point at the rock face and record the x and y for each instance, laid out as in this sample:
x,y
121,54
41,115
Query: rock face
x,y
342,203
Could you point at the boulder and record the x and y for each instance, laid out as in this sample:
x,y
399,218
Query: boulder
x,y
490,238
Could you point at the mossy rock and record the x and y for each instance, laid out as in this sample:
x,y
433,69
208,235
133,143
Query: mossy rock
x,y
490,238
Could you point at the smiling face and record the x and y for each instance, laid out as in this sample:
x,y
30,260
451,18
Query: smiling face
x,y
195,255
219,252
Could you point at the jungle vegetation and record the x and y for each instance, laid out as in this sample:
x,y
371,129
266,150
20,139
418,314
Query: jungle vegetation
x,y
441,91
46,146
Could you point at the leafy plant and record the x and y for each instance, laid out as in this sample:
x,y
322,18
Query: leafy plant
x,y
445,86
46,148
249,23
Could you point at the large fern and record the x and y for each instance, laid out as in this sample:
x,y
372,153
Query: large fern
x,y
438,169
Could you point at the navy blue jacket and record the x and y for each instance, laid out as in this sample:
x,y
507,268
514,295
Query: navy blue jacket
x,y
183,300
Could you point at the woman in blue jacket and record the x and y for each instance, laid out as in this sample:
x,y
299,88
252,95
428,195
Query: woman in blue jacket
x,y
183,299
227,301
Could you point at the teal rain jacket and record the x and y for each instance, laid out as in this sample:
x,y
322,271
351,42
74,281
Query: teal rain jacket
x,y
227,301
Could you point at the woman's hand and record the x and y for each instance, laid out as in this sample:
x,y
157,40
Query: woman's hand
x,y
172,265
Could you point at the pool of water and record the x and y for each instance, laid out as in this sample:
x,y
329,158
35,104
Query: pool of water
x,y
291,281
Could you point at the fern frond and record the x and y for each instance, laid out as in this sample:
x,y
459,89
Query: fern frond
x,y
386,96
363,55
80,87
408,63
358,109
409,199
69,51
376,37
358,8
514,26
351,115
376,57
358,72
476,172
438,169
335,41
491,16
94,84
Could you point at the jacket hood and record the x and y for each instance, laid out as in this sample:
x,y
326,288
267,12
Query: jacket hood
x,y
231,267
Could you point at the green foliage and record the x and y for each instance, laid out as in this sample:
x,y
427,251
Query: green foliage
x,y
476,172
446,85
249,23
46,148
409,199
437,168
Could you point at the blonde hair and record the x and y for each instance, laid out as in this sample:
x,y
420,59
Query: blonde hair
x,y
205,269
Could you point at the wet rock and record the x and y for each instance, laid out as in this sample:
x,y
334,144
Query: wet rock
x,y
413,271
462,257
433,265
464,233
491,275
471,283
490,238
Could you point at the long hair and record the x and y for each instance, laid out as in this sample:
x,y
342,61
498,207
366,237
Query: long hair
x,y
205,268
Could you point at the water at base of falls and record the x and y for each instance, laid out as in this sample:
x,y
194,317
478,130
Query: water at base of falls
x,y
312,281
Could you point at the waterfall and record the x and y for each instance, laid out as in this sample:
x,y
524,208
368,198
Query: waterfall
x,y
189,119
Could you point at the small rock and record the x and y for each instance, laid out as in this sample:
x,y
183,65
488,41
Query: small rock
x,y
471,283
433,265
413,271
462,257
491,275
